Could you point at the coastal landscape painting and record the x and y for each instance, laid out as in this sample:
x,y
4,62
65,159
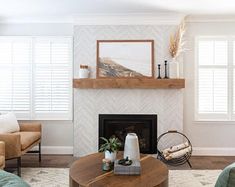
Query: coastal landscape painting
x,y
125,58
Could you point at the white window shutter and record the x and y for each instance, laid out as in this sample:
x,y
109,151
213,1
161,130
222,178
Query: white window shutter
x,y
15,77
6,89
5,76
52,77
36,77
212,80
205,90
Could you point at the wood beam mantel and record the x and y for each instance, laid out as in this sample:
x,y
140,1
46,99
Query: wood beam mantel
x,y
129,83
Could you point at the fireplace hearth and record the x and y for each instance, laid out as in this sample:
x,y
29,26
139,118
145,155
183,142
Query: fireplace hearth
x,y
118,125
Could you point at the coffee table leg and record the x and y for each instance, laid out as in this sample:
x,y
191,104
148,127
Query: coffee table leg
x,y
72,183
163,184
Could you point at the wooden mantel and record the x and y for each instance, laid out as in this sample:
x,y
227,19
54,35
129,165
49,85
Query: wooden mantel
x,y
129,83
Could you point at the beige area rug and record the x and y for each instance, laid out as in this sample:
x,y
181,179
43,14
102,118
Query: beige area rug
x,y
193,178
46,177
59,177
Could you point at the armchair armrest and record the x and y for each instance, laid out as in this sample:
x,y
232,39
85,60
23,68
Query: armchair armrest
x,y
30,127
2,148
12,145
2,155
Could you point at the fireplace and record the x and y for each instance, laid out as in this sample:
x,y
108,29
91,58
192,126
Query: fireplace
x,y
118,125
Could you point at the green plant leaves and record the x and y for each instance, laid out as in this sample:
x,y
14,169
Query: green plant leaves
x,y
111,144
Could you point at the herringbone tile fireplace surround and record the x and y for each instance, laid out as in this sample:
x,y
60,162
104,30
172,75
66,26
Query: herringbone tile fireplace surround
x,y
89,103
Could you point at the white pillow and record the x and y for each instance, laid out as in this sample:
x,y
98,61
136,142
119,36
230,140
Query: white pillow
x,y
8,123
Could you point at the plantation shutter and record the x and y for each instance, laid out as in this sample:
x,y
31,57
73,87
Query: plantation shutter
x,y
212,83
52,78
15,76
36,77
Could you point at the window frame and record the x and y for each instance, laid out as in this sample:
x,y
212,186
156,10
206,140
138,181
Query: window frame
x,y
215,117
32,116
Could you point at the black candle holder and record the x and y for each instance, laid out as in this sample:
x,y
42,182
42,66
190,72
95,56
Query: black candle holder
x,y
166,70
159,71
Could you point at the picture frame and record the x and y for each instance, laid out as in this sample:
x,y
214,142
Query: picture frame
x,y
125,59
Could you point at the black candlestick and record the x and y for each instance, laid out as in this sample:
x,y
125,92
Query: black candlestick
x,y
159,71
166,70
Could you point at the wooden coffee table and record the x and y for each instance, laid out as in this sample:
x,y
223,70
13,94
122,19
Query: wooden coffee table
x,y
87,171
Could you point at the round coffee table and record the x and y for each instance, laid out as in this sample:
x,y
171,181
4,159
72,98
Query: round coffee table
x,y
87,171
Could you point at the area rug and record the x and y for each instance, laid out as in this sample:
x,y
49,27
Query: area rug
x,y
193,178
46,177
59,177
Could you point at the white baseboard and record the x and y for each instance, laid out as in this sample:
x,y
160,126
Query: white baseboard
x,y
65,150
213,151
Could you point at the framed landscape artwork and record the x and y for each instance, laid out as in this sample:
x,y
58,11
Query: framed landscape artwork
x,y
125,58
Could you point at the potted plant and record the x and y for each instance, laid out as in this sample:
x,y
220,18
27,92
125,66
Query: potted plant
x,y
110,148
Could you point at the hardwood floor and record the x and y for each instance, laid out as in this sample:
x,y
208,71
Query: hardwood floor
x,y
208,162
31,160
64,161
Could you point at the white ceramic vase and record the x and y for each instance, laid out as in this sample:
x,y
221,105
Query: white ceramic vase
x,y
131,148
174,72
83,73
111,156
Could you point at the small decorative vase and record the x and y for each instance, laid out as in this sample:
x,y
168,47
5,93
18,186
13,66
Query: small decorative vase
x,y
174,69
110,156
83,72
131,148
107,165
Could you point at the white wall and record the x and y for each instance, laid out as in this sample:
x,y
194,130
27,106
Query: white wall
x,y
208,138
57,135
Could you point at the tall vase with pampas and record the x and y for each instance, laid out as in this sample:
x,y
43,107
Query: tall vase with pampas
x,y
176,48
174,69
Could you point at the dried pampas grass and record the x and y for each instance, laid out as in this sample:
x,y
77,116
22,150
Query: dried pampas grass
x,y
176,41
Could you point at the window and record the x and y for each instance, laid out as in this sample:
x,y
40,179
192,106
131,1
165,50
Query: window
x,y
215,82
36,77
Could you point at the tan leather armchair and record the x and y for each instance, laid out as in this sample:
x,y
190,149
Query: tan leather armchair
x,y
2,155
19,143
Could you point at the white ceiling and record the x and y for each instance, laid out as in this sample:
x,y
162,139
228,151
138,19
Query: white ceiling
x,y
66,9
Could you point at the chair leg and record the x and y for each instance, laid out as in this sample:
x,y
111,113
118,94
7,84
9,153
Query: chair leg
x,y
40,157
19,166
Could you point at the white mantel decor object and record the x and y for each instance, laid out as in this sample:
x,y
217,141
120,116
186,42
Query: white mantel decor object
x,y
83,72
110,155
174,69
131,148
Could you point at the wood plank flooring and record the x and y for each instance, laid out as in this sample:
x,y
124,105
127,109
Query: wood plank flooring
x,y
64,161
208,162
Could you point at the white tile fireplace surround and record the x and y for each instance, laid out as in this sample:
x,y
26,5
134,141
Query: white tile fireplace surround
x,y
89,103
166,103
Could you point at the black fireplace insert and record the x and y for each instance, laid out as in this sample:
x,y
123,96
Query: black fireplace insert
x,y
119,125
